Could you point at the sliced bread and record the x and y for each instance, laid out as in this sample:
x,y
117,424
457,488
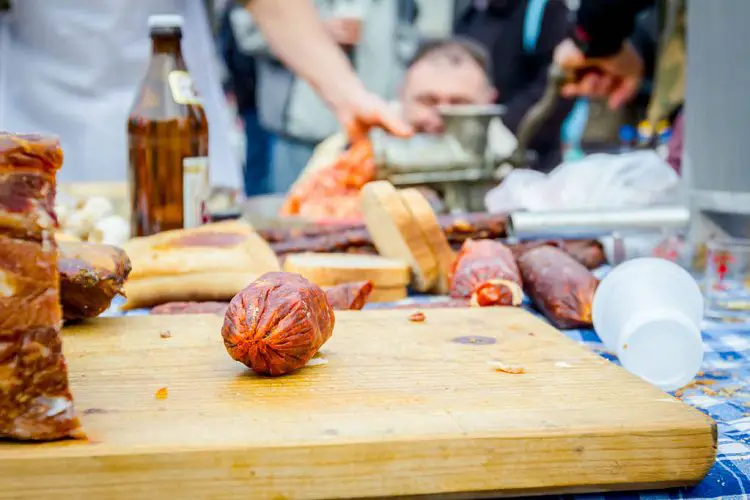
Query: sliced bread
x,y
329,269
396,235
387,294
425,218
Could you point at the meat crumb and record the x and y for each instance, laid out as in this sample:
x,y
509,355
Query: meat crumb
x,y
729,392
162,393
92,411
693,385
165,334
499,366
417,317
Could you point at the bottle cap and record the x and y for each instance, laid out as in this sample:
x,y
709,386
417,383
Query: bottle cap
x,y
645,129
165,21
627,133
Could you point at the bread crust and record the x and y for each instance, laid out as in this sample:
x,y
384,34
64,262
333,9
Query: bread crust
x,y
428,223
329,269
210,263
395,233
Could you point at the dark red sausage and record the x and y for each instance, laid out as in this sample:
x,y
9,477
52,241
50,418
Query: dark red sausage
x,y
559,286
486,270
277,324
349,296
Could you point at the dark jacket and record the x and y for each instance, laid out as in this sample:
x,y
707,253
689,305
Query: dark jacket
x,y
241,66
602,25
653,26
520,77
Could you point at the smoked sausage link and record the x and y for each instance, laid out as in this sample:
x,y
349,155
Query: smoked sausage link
x,y
276,324
559,286
349,296
486,271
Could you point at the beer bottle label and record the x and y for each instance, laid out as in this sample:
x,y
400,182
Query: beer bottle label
x,y
194,191
182,88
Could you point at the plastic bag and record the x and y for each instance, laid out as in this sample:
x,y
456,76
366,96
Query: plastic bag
x,y
634,179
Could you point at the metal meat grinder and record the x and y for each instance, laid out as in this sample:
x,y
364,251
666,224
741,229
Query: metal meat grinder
x,y
460,164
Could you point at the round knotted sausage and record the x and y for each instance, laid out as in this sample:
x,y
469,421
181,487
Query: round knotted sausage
x,y
276,324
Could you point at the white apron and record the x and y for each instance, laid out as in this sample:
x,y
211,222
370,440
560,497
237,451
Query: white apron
x,y
72,68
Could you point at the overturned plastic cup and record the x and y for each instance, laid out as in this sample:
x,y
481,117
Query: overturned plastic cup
x,y
648,311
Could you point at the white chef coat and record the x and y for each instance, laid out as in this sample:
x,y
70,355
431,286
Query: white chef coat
x,y
72,68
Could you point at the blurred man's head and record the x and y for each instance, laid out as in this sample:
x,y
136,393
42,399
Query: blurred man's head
x,y
446,72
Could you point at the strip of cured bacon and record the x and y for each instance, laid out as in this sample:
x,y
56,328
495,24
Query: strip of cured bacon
x,y
35,401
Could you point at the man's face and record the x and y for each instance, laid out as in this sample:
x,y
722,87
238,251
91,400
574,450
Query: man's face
x,y
441,81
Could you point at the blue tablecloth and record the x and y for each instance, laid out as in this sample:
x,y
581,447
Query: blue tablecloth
x,y
725,396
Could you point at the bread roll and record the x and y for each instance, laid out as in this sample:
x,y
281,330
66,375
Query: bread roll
x,y
210,263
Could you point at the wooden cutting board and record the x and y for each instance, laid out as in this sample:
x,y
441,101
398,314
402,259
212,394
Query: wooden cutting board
x,y
400,408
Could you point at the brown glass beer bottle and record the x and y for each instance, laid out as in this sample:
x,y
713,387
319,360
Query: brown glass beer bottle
x,y
168,140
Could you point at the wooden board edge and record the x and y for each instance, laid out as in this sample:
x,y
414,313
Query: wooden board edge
x,y
388,469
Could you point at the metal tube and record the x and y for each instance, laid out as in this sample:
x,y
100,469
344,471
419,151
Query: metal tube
x,y
595,223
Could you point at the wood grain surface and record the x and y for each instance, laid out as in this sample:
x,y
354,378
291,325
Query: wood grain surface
x,y
400,409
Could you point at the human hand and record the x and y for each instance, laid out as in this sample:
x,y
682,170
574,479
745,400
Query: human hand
x,y
359,110
616,78
344,31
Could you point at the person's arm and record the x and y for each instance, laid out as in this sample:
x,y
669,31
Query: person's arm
x,y
602,26
553,31
296,35
251,40
247,34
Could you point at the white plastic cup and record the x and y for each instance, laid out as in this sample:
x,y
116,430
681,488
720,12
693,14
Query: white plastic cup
x,y
648,311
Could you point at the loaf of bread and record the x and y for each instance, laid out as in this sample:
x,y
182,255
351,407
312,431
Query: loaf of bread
x,y
396,235
210,263
328,269
426,220
388,294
